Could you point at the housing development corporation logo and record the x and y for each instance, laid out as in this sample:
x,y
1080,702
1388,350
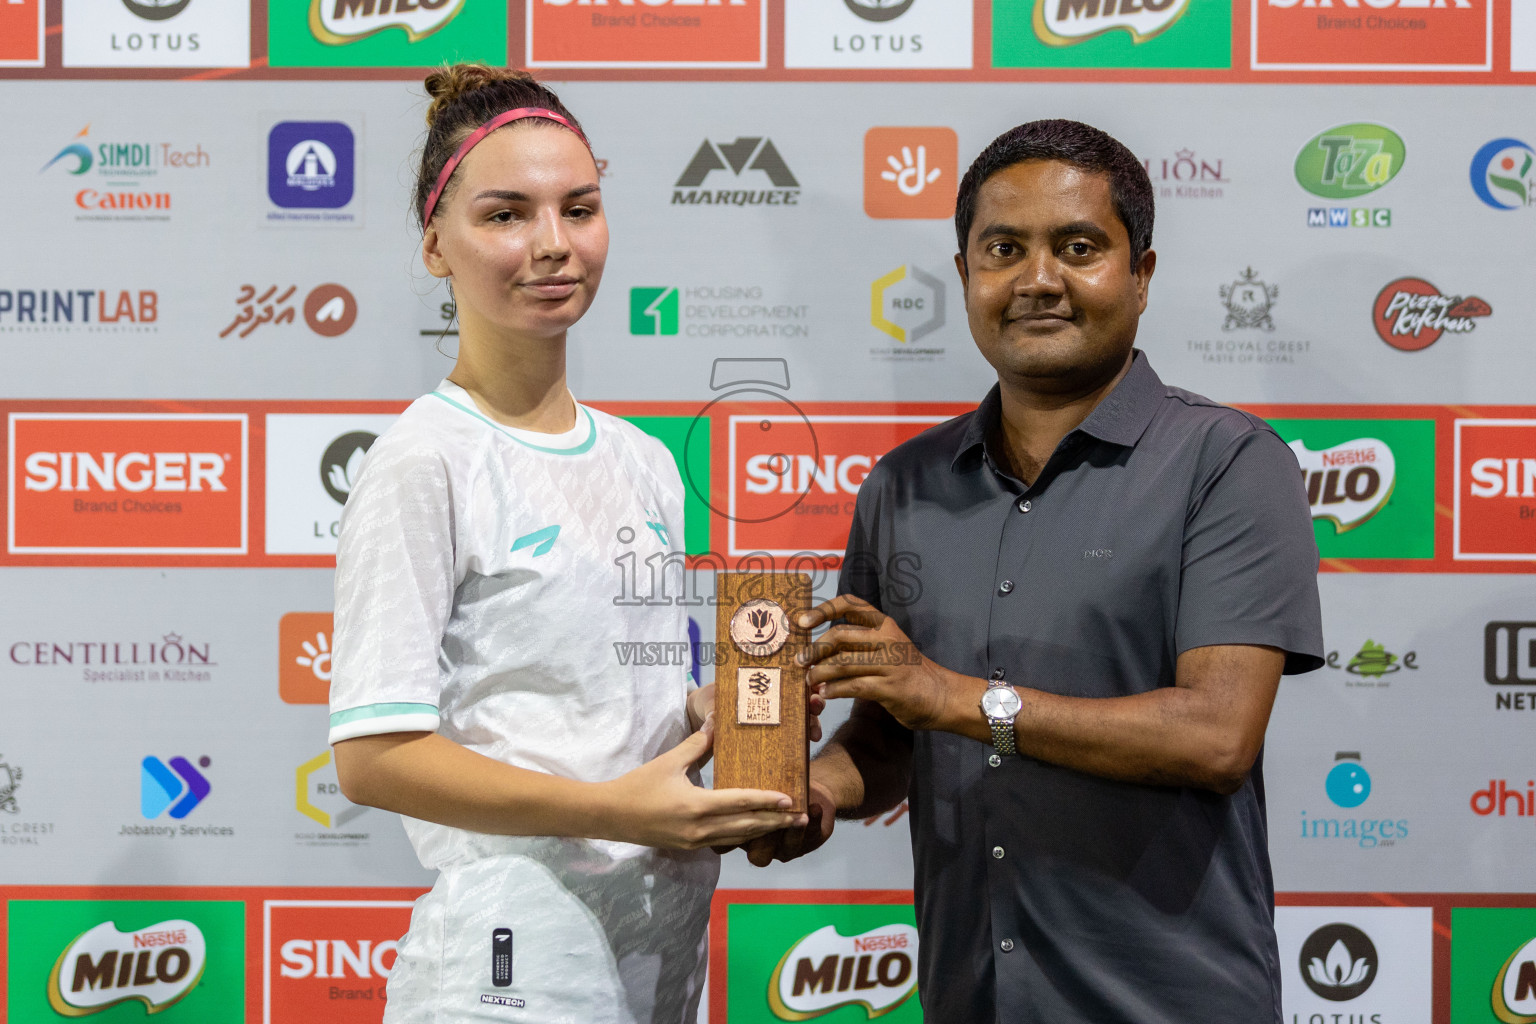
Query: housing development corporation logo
x,y
1501,174
311,167
1339,962
650,34
1065,22
715,311
877,34
1411,314
1382,35
910,173
826,970
329,959
96,310
1495,508
1348,162
746,154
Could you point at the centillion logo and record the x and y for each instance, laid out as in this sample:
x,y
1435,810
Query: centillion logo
x,y
338,22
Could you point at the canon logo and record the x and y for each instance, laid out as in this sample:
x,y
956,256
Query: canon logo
x,y
131,471
330,958
1504,478
795,474
1379,4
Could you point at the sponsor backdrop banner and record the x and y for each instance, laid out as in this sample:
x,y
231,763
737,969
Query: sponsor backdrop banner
x,y
220,306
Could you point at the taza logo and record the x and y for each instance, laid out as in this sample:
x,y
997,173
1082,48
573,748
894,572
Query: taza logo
x,y
1348,483
337,22
1501,174
1067,22
1338,962
157,965
1509,653
1350,160
826,970
1411,314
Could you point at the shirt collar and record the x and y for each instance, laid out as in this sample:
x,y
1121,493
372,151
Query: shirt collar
x,y
1121,417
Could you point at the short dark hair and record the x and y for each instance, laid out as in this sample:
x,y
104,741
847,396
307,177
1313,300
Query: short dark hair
x,y
1075,143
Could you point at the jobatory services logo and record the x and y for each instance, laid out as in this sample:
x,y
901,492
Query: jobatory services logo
x,y
385,33
313,462
1348,162
1372,666
1411,314
172,658
1369,965
127,483
649,34
181,960
715,311
1348,786
907,305
1370,484
1495,509
329,309
312,173
1509,660
157,33
329,958
175,786
304,657
755,154
85,310
21,34
878,34
1111,33
1501,174
910,173
1493,964
121,181
1383,35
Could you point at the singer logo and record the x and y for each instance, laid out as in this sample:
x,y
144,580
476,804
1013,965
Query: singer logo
x,y
343,21
826,970
651,33
157,966
1378,35
910,173
328,959
1495,511
793,479
127,483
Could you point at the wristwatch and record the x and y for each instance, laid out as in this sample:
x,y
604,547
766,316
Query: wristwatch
x,y
1000,704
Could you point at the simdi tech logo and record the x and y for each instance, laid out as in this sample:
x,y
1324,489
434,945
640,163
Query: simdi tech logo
x,y
1495,507
1379,35
21,33
126,484
329,959
910,173
385,33
878,34
1111,33
120,179
647,34
157,33
179,960
1370,484
1501,174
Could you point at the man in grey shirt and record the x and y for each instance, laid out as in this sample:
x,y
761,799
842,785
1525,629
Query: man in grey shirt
x,y
1064,617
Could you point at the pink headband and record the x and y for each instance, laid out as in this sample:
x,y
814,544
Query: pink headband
x,y
506,117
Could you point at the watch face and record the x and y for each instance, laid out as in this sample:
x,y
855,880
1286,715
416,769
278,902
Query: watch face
x,y
1000,703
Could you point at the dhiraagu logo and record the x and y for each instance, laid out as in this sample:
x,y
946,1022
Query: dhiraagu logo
x,y
121,960
1350,160
1370,485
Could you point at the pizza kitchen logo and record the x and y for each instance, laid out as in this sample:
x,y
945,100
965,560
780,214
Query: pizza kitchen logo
x,y
1411,314
1068,22
338,22
157,965
827,970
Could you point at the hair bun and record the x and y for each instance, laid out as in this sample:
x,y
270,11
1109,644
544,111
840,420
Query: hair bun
x,y
450,82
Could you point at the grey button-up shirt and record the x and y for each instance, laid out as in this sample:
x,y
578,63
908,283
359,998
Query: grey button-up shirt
x,y
1164,522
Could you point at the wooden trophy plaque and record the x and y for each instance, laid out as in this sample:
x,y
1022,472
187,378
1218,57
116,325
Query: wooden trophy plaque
x,y
760,700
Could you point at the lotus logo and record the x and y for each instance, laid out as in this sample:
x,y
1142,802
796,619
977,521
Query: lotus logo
x,y
827,970
156,10
342,463
338,22
1348,483
1067,22
157,965
879,10
1338,962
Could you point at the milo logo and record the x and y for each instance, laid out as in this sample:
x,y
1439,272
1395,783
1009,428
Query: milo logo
x,y
1348,483
157,965
1350,160
1065,22
826,970
343,21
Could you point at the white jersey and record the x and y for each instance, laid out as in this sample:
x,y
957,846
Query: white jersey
x,y
480,593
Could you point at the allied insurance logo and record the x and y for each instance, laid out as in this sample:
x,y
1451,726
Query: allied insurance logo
x,y
1107,33
910,173
329,959
653,34
1495,507
403,33
1501,174
311,167
126,484
1383,35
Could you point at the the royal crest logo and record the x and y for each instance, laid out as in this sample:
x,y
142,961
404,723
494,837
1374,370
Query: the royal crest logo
x,y
1348,483
1411,314
10,778
1067,22
157,965
337,22
827,970
1248,300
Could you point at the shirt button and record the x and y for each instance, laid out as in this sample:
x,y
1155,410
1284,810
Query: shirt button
x,y
1005,587
1007,945
994,760
997,673
997,853
1024,505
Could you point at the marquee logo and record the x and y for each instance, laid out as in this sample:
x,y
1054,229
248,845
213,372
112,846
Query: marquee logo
x,y
1378,35
1339,962
1411,314
747,153
1495,510
329,959
1068,22
127,483
1501,174
157,965
1350,160
338,22
825,970
1348,483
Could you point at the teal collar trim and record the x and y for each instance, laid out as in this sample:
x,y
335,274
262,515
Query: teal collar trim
x,y
579,449
380,711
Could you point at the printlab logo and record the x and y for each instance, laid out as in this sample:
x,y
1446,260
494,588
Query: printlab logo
x,y
1183,176
1501,174
338,22
1348,786
910,173
124,171
178,786
304,652
1411,314
907,305
311,166
1067,22
1338,962
747,153
329,309
1373,663
28,310
826,970
10,778
1348,162
1495,464
319,797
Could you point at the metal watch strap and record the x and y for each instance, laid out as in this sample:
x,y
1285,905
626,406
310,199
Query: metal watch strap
x,y
1002,737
